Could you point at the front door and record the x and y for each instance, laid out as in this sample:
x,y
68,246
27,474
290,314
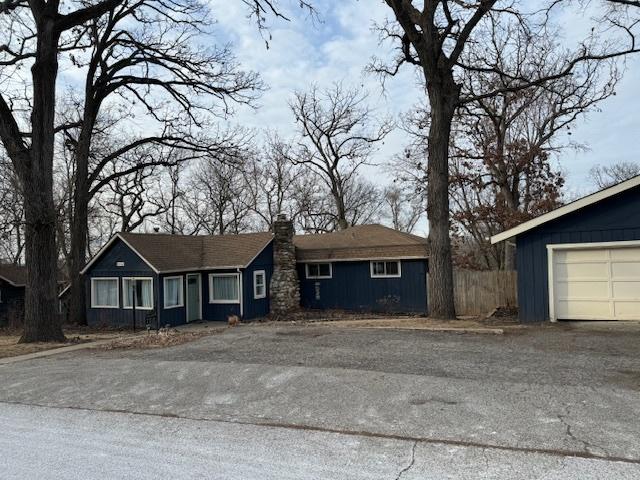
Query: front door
x,y
194,299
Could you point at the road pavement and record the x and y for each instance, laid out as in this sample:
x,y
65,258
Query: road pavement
x,y
319,402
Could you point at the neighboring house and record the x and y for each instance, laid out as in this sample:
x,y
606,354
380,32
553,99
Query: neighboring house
x,y
180,278
581,261
13,279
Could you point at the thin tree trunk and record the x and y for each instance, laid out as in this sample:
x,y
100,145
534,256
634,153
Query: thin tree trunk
x,y
443,98
42,323
80,224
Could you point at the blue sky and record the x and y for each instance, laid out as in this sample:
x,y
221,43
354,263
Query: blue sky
x,y
341,45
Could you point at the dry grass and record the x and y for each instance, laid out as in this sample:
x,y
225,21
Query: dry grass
x,y
162,339
9,346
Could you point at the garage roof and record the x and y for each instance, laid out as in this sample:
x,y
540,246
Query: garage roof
x,y
566,209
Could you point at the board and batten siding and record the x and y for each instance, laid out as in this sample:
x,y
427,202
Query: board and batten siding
x,y
352,288
614,219
106,266
256,308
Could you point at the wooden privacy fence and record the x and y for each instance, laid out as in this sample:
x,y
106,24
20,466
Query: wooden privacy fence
x,y
479,292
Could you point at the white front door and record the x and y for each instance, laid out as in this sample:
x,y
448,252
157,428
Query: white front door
x,y
194,297
596,283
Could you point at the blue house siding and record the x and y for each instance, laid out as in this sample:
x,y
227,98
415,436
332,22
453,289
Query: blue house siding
x,y
106,266
612,220
11,300
256,308
352,288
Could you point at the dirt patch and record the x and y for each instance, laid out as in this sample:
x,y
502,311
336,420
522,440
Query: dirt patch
x,y
419,323
162,339
9,346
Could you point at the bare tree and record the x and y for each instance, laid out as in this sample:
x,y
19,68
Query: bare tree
x,y
11,215
338,134
35,33
220,202
404,208
605,176
435,37
272,180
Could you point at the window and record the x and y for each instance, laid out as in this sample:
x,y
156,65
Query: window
x,y
104,293
143,292
382,269
319,270
173,292
259,284
224,288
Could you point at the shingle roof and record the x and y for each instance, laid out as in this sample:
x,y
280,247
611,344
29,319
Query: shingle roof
x,y
14,274
187,252
360,242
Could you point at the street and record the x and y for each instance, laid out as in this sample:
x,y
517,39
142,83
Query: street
x,y
326,402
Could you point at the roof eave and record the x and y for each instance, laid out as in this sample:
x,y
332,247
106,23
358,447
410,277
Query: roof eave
x,y
566,209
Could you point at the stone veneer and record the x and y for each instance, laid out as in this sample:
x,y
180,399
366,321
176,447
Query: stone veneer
x,y
285,286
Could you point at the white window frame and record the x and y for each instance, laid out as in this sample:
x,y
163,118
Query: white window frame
x,y
94,280
124,297
212,275
164,291
318,277
385,275
256,295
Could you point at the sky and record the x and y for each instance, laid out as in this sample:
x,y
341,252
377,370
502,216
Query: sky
x,y
341,44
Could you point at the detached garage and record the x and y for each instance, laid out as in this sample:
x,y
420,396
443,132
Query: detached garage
x,y
581,261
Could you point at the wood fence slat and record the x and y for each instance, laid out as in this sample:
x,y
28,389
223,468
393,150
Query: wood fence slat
x,y
479,292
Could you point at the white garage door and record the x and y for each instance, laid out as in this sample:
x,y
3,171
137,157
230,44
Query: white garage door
x,y
597,284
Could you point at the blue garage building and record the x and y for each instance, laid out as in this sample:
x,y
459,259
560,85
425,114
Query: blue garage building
x,y
582,260
177,279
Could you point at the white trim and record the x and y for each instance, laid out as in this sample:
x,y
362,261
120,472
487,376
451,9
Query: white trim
x,y
241,292
398,275
257,296
199,276
361,259
256,255
551,248
124,297
117,280
318,277
64,290
164,291
203,269
107,245
571,207
234,274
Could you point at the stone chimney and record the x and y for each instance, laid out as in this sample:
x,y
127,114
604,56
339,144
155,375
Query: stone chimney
x,y
285,287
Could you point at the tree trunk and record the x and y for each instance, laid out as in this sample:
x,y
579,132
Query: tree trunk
x,y
41,323
443,98
80,224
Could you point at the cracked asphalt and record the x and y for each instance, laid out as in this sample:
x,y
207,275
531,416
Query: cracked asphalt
x,y
290,402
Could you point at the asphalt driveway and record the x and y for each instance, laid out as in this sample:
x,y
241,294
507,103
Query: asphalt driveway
x,y
324,402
